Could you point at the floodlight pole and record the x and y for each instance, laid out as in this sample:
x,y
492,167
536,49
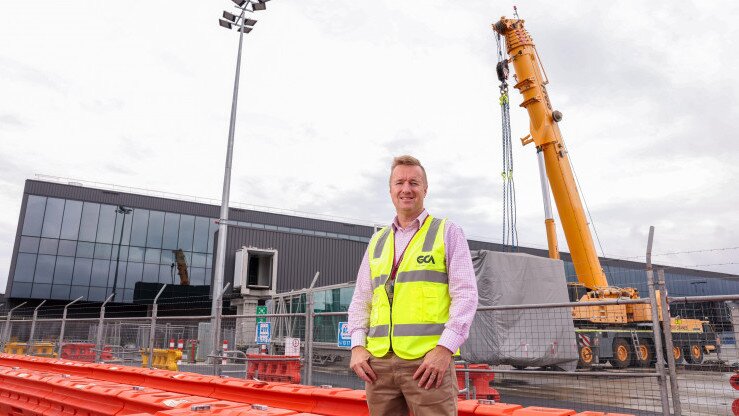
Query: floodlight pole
x,y
223,217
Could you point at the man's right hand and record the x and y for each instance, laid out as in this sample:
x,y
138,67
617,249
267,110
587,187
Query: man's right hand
x,y
360,364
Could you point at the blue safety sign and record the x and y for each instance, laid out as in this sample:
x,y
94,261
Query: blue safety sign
x,y
264,332
344,339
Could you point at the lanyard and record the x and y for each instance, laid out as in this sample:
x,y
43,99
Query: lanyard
x,y
396,265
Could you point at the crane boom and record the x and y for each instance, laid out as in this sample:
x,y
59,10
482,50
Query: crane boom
x,y
545,134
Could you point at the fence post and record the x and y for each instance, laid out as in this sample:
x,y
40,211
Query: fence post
x,y
659,364
29,349
153,326
309,316
99,344
217,345
6,330
64,322
666,327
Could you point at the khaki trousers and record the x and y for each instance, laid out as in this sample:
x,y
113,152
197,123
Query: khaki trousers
x,y
395,392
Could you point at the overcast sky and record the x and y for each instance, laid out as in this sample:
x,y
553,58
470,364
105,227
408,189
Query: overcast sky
x,y
139,95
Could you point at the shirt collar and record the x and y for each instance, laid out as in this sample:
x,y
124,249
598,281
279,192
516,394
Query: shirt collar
x,y
414,224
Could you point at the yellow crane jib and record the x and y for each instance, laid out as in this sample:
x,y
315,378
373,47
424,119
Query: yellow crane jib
x,y
179,257
545,134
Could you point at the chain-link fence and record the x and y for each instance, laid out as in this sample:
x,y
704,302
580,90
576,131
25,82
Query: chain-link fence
x,y
675,358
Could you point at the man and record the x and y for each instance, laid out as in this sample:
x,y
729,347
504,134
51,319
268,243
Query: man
x,y
413,304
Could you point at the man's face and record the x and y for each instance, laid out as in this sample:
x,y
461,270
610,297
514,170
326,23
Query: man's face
x,y
408,189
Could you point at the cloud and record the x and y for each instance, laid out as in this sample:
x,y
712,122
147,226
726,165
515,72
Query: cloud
x,y
10,121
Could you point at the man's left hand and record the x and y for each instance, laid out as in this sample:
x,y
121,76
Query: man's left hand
x,y
433,368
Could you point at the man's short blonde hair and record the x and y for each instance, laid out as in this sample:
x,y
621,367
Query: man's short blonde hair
x,y
407,160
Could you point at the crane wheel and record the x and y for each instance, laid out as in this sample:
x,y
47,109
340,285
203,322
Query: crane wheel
x,y
677,354
694,354
621,353
586,357
644,356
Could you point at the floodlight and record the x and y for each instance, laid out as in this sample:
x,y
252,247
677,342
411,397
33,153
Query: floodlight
x,y
249,22
229,16
246,29
224,23
239,3
258,6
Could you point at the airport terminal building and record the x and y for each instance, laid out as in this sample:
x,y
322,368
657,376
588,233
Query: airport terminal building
x,y
73,241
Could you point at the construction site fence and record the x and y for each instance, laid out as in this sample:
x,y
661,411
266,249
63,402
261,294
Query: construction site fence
x,y
661,366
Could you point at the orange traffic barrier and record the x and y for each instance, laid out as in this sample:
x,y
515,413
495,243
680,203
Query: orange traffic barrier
x,y
225,408
85,351
479,381
187,383
542,411
36,385
283,368
588,413
340,401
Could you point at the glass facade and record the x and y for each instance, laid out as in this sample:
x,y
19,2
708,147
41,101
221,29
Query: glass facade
x,y
72,248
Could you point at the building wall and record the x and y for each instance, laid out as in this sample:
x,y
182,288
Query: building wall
x,y
68,238
299,256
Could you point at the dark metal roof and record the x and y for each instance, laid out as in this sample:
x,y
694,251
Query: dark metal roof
x,y
81,193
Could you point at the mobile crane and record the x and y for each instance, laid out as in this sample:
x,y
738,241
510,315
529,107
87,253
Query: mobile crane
x,y
620,334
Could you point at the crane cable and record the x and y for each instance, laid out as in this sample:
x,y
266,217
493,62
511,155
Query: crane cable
x,y
510,233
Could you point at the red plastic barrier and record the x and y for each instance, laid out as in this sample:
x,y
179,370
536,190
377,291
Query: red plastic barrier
x,y
588,413
340,402
225,408
735,407
497,409
19,396
480,382
543,411
84,351
134,376
734,381
39,386
280,368
151,401
186,383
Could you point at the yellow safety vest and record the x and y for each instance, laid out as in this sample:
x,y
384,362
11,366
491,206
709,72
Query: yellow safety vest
x,y
414,323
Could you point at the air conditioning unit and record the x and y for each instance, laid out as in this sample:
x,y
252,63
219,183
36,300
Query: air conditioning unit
x,y
255,272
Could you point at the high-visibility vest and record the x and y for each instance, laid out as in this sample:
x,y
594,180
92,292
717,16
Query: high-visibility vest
x,y
421,299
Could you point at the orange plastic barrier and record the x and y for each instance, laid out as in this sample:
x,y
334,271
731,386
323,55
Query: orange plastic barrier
x,y
479,381
543,411
84,351
600,414
340,401
473,407
734,381
281,368
36,385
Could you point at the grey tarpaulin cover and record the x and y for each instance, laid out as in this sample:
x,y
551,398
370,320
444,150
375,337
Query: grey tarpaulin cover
x,y
521,337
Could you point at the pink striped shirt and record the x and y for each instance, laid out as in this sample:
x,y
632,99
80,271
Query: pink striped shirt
x,y
462,286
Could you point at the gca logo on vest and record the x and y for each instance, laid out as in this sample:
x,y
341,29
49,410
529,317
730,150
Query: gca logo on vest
x,y
425,259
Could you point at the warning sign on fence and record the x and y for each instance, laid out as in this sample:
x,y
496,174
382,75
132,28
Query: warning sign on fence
x,y
292,346
344,340
264,332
